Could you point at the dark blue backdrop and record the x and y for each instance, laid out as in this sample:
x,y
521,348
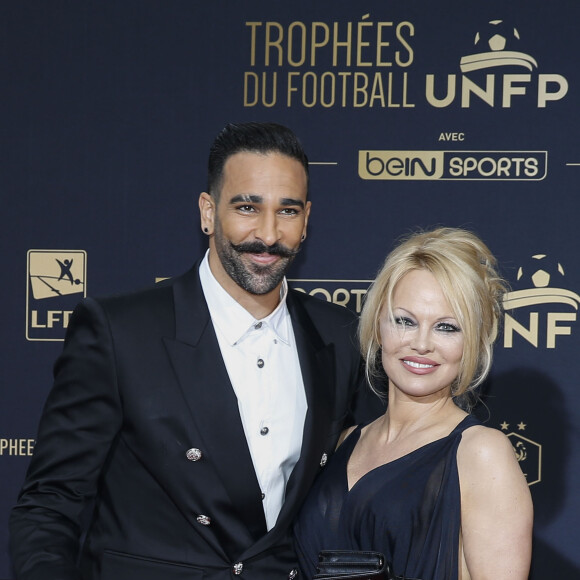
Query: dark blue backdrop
x,y
108,109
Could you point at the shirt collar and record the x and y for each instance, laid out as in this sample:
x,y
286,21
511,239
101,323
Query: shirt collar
x,y
233,320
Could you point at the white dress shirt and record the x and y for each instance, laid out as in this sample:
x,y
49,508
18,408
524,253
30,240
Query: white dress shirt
x,y
263,366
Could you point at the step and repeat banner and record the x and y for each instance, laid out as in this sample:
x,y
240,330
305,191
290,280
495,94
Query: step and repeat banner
x,y
413,114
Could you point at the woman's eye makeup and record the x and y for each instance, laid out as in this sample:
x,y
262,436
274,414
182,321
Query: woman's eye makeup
x,y
405,321
448,327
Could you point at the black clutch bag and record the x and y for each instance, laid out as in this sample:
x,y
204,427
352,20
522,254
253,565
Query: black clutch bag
x,y
353,565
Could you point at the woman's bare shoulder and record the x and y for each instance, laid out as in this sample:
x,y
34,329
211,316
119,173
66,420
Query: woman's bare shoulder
x,y
486,453
485,442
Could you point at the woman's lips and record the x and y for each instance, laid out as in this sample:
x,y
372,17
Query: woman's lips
x,y
419,365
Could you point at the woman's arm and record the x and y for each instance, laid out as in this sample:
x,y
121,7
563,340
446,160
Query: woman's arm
x,y
496,508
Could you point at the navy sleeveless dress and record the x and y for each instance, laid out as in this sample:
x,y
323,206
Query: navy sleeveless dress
x,y
409,509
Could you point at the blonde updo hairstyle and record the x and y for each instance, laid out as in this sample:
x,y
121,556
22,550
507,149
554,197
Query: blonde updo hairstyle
x,y
466,271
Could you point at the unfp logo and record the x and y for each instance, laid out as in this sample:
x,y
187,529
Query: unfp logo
x,y
347,293
545,276
56,283
496,48
453,165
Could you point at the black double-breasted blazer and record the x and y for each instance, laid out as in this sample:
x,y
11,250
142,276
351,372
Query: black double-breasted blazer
x,y
141,468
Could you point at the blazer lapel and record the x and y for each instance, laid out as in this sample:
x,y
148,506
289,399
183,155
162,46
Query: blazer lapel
x,y
203,378
317,362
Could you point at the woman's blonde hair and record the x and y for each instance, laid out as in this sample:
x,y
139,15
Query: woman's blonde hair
x,y
466,271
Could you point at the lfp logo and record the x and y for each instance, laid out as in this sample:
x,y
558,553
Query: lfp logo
x,y
550,308
56,283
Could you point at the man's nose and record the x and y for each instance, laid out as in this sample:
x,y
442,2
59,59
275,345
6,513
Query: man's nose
x,y
267,229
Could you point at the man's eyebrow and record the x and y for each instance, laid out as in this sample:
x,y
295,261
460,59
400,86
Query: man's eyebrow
x,y
249,198
246,198
291,201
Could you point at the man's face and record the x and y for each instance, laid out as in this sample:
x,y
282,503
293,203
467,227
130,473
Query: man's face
x,y
259,222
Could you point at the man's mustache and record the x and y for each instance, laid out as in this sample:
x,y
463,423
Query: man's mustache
x,y
276,249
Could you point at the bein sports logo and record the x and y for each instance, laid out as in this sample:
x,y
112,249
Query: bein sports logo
x,y
453,165
497,42
347,293
56,283
545,276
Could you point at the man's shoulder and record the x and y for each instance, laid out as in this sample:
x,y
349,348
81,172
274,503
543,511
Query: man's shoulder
x,y
153,298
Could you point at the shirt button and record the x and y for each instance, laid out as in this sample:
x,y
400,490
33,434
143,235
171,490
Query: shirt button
x,y
203,520
238,567
264,431
193,454
263,495
258,326
293,574
260,363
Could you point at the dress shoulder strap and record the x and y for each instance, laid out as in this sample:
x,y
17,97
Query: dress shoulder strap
x,y
465,423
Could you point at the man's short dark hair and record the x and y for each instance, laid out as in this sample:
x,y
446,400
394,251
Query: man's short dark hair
x,y
252,138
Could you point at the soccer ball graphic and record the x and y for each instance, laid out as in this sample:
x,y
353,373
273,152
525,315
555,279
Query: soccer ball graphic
x,y
496,45
496,36
544,269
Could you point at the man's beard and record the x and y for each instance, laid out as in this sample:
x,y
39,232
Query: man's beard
x,y
253,278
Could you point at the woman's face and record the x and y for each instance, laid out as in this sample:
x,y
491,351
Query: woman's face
x,y
423,346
